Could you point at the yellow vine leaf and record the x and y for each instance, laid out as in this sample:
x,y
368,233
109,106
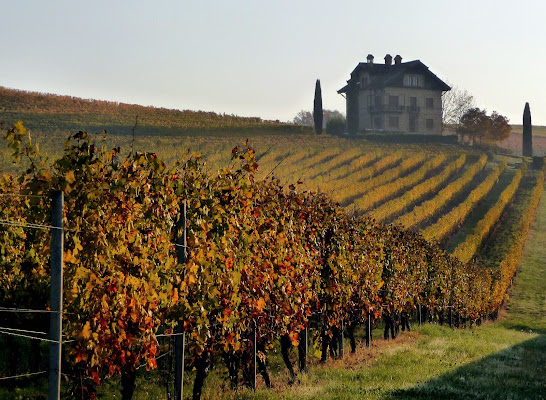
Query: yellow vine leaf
x,y
86,331
69,177
260,304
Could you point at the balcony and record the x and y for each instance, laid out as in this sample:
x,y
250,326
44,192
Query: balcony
x,y
385,108
413,109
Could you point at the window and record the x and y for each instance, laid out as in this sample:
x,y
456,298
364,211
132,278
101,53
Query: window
x,y
413,80
430,123
378,100
393,122
430,102
363,81
413,104
378,122
412,123
393,101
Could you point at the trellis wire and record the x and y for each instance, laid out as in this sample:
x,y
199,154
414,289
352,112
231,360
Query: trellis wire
x,y
21,195
24,310
22,375
29,337
21,330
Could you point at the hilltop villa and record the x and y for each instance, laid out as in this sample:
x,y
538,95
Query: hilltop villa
x,y
400,97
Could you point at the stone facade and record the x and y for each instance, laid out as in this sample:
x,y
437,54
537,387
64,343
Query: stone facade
x,y
402,98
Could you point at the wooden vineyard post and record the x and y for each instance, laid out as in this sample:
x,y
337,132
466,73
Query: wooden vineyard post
x,y
56,296
255,358
340,341
180,338
306,348
419,313
368,329
302,350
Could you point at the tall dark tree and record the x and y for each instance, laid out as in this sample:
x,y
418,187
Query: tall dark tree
x,y
317,108
527,132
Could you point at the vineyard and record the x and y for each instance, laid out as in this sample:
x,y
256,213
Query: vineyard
x,y
54,114
299,238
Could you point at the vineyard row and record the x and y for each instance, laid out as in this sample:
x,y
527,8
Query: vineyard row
x,y
430,207
468,249
449,222
261,260
417,192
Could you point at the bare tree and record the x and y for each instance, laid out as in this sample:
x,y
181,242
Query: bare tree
x,y
304,118
455,103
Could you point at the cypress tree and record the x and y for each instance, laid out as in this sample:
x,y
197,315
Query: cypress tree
x,y
527,132
317,108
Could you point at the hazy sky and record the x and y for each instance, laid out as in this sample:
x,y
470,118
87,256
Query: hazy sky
x,y
261,58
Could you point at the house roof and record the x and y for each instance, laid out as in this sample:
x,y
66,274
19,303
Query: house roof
x,y
384,75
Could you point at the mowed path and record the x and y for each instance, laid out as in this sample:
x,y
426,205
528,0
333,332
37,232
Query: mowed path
x,y
527,306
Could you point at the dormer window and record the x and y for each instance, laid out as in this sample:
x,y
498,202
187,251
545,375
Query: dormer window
x,y
363,81
413,80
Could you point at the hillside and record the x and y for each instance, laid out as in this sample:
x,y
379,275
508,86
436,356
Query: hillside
x,y
50,113
444,191
538,130
515,142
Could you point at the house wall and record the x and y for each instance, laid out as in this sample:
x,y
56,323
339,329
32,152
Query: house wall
x,y
404,112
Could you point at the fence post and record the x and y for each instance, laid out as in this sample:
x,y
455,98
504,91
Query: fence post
x,y
306,345
255,357
368,329
180,338
341,341
56,296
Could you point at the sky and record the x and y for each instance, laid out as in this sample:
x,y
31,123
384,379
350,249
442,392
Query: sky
x,y
262,58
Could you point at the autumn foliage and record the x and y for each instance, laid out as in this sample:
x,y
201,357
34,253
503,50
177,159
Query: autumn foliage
x,y
260,256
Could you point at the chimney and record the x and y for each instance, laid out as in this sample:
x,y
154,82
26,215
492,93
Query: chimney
x,y
370,59
397,59
388,59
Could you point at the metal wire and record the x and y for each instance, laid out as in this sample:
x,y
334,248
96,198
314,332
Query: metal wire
x,y
30,225
26,310
156,358
22,375
21,195
28,337
22,330
169,334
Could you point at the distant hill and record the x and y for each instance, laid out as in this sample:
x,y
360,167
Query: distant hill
x,y
50,113
538,130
